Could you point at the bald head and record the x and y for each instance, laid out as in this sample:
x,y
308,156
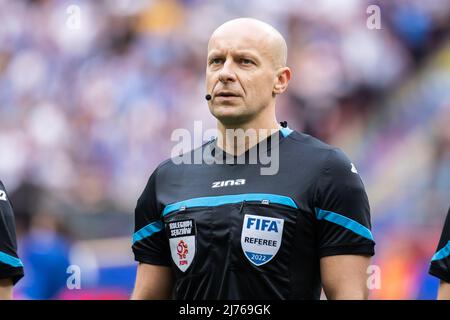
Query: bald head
x,y
263,36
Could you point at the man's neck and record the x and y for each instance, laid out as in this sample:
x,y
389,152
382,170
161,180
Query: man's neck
x,y
237,139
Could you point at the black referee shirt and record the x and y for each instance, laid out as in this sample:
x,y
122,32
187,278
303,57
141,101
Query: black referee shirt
x,y
440,263
10,264
229,232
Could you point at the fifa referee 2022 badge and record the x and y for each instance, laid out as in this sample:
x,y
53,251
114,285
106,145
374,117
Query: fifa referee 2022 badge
x,y
237,229
11,268
440,262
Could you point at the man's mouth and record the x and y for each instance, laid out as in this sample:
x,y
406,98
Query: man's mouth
x,y
227,94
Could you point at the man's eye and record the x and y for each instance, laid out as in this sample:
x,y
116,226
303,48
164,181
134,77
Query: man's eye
x,y
246,61
215,61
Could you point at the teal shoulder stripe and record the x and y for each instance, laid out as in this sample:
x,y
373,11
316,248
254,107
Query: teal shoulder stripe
x,y
147,231
443,253
286,131
10,260
345,222
228,199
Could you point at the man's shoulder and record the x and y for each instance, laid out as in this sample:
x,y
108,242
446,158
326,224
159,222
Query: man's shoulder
x,y
317,153
5,206
308,141
3,196
446,230
303,143
326,158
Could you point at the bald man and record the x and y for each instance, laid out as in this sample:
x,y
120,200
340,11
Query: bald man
x,y
230,230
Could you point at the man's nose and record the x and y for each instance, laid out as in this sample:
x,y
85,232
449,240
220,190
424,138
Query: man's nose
x,y
227,73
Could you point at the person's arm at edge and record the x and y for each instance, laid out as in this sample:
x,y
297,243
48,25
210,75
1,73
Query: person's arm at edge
x,y
344,277
153,282
6,289
444,291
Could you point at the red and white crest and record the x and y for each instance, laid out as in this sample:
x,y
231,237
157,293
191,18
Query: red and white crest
x,y
182,243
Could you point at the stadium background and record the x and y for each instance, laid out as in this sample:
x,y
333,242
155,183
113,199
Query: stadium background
x,y
87,114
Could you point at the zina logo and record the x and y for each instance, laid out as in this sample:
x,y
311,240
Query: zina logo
x,y
226,183
2,195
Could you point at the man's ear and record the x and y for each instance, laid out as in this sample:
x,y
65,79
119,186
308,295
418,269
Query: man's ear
x,y
282,80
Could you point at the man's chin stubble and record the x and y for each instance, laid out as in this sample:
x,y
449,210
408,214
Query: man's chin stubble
x,y
233,120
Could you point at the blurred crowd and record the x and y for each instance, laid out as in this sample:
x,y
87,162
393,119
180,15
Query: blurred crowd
x,y
90,92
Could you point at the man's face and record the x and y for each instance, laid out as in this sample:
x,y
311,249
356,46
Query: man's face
x,y
240,75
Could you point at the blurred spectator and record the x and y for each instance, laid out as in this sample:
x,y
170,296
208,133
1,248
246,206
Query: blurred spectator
x,y
46,254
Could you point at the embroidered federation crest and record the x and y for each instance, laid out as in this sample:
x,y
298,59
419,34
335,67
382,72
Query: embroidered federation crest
x,y
181,235
261,238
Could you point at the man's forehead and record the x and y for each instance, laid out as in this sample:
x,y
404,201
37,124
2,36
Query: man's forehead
x,y
239,44
246,34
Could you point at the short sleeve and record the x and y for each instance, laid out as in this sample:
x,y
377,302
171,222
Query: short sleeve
x,y
10,264
440,262
150,244
342,209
